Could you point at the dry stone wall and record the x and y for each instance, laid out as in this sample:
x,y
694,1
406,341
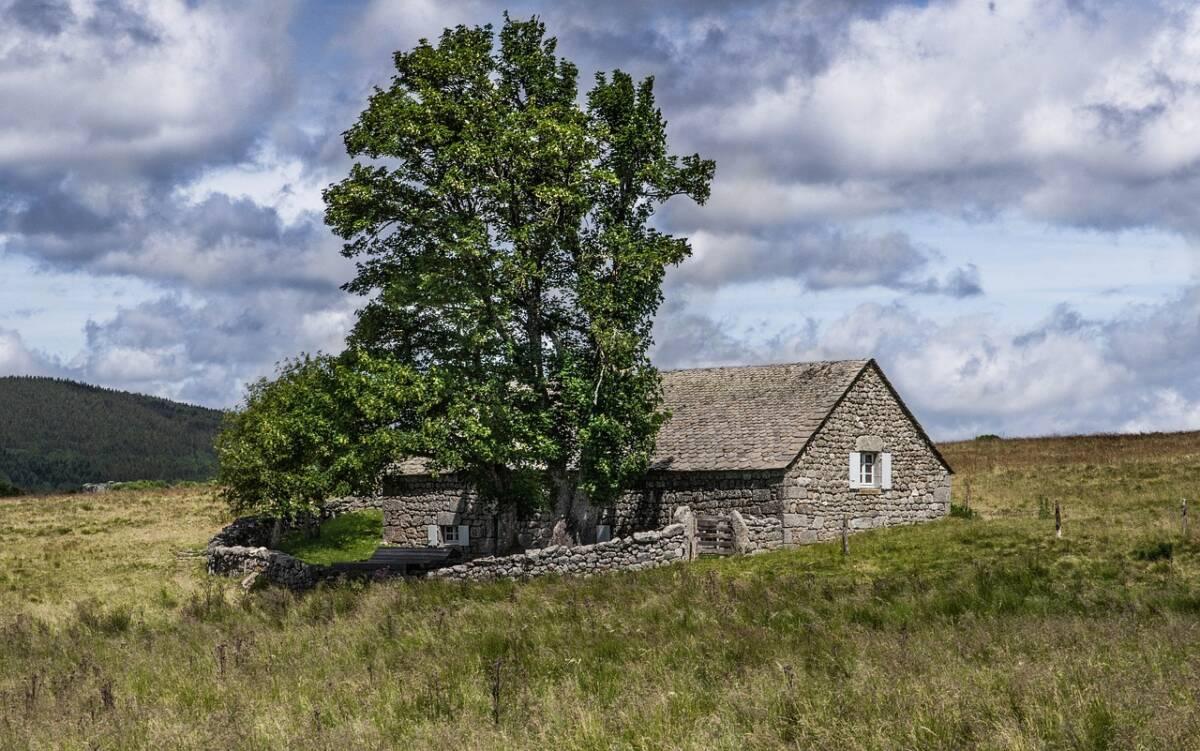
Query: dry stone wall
x,y
817,493
756,534
240,549
276,567
640,550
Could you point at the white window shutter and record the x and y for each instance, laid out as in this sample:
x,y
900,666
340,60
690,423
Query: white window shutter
x,y
434,537
855,468
885,471
464,535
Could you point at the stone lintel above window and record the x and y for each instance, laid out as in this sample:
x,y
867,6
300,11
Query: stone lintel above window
x,y
868,443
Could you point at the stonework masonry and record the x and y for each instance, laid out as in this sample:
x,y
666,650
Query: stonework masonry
x,y
413,502
756,534
650,507
240,549
803,503
841,410
817,494
640,550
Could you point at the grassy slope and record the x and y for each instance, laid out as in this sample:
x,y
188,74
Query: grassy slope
x,y
983,633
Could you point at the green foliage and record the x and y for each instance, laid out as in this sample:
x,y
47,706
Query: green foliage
x,y
987,437
1045,509
57,434
962,512
349,537
1154,550
8,490
503,239
326,426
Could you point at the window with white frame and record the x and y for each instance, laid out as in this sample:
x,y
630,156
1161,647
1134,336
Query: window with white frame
x,y
449,535
871,469
868,475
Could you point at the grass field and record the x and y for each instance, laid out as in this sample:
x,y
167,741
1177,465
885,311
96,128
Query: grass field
x,y
967,633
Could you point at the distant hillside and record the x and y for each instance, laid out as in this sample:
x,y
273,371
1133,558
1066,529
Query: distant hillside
x,y
57,434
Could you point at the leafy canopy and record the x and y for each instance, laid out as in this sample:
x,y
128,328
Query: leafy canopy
x,y
504,246
322,428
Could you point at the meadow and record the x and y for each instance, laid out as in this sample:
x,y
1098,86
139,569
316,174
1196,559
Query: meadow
x,y
980,631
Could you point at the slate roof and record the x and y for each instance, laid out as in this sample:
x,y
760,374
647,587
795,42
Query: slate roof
x,y
747,418
754,417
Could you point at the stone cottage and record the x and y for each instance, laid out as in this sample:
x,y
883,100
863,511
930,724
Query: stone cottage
x,y
762,456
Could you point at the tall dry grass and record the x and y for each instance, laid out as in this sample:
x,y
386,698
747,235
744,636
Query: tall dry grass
x,y
981,633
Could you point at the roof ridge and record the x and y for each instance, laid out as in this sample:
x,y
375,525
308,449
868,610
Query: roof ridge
x,y
855,360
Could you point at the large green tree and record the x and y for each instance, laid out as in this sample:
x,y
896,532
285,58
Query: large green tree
x,y
502,230
504,243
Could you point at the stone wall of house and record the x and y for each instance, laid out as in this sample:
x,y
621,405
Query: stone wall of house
x,y
349,504
817,493
413,502
640,550
652,506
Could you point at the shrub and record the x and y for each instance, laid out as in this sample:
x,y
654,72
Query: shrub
x,y
1155,550
1045,510
963,512
94,617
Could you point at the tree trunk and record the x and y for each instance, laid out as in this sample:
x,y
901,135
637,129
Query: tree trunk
x,y
566,528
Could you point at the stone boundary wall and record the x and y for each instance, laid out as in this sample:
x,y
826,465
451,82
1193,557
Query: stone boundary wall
x,y
272,565
756,534
240,549
641,550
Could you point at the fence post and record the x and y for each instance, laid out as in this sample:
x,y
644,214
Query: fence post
x,y
845,535
1057,520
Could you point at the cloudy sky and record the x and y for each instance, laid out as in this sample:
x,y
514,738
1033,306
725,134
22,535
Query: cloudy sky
x,y
998,200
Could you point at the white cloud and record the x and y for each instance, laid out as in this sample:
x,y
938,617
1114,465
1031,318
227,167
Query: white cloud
x,y
1062,111
135,87
16,358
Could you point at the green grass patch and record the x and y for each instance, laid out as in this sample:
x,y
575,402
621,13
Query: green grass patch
x,y
349,537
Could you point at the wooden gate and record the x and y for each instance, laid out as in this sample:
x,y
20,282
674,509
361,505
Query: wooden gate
x,y
714,535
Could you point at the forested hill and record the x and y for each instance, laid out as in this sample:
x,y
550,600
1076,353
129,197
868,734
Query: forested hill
x,y
57,435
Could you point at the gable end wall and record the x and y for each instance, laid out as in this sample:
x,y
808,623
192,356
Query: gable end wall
x,y
817,492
